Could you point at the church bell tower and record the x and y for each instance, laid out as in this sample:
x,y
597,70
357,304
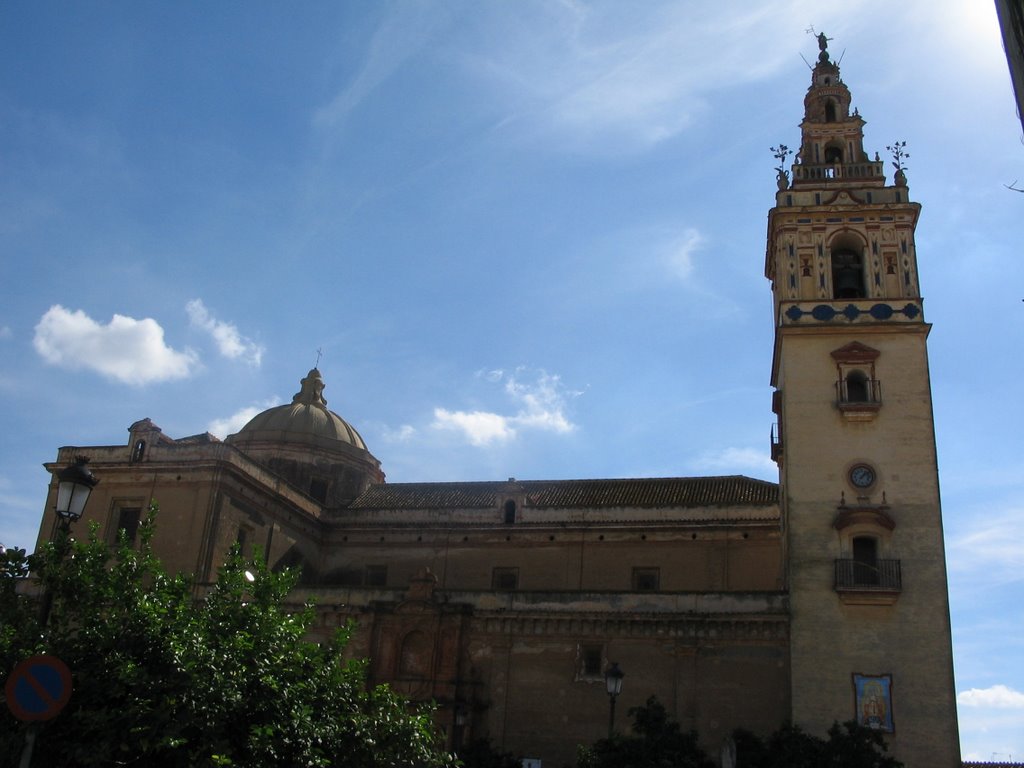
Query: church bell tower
x,y
866,574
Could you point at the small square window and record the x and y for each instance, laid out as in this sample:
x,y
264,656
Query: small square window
x,y
505,579
646,579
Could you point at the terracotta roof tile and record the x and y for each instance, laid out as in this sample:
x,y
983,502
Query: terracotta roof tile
x,y
733,490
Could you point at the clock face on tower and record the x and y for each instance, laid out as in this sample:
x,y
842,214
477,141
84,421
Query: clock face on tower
x,y
862,476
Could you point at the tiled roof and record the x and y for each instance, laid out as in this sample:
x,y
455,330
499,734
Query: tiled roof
x,y
733,490
204,437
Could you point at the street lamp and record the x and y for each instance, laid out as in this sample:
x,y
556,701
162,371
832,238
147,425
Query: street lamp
x,y
74,485
613,684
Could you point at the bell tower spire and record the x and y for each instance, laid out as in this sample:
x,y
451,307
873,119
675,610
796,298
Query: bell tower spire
x,y
858,475
832,138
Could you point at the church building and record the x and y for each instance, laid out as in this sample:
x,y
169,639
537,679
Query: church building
x,y
739,603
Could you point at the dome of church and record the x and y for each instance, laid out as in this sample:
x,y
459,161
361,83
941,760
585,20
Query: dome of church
x,y
305,420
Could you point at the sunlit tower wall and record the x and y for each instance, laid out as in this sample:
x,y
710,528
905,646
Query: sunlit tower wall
x,y
855,445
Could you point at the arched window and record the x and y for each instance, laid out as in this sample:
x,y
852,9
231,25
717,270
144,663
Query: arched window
x,y
847,275
138,451
865,560
830,111
510,512
833,154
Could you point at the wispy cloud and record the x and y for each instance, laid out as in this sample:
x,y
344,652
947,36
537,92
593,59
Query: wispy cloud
x,y
738,460
402,434
990,549
680,253
401,34
635,75
128,350
540,404
230,342
228,426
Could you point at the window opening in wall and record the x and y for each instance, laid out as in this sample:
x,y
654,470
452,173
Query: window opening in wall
x,y
830,112
833,155
376,575
857,387
590,658
138,451
510,512
505,579
128,521
865,560
646,579
847,275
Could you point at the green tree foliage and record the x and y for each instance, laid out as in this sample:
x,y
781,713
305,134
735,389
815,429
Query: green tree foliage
x,y
848,746
656,742
161,678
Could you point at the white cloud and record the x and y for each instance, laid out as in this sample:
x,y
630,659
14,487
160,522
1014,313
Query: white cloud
x,y
228,426
128,350
998,696
230,342
542,402
478,427
541,406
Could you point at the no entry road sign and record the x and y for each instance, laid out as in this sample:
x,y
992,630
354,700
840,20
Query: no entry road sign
x,y
38,688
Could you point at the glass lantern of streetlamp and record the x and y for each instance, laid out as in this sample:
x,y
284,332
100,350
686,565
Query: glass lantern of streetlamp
x,y
74,484
613,679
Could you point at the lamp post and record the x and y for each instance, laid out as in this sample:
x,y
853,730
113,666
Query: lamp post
x,y
74,484
613,684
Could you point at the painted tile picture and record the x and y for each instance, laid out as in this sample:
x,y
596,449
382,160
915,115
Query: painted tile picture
x,y
873,698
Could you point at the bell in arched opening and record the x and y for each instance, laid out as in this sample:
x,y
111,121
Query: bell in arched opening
x,y
847,275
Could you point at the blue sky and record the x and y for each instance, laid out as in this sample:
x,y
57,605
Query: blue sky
x,y
527,236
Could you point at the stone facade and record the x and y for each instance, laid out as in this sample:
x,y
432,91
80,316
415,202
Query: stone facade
x,y
737,602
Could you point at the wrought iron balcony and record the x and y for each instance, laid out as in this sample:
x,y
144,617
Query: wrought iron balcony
x,y
868,576
853,394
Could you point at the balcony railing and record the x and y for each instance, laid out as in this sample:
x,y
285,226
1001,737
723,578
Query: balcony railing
x,y
837,171
866,394
868,575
